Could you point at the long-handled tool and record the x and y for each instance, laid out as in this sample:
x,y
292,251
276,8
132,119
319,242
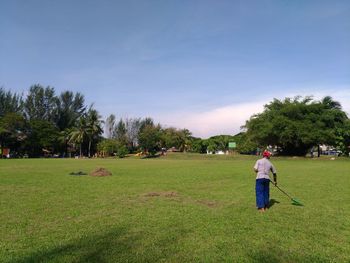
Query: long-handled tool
x,y
294,201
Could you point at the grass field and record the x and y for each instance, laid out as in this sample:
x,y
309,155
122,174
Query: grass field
x,y
179,208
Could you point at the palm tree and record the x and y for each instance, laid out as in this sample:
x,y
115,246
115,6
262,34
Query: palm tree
x,y
331,104
69,108
79,133
93,126
185,139
64,138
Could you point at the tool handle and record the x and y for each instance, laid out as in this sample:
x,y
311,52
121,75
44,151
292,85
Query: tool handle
x,y
281,189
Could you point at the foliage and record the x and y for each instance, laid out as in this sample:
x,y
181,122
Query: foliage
x,y
107,147
122,151
120,132
93,127
342,139
133,126
10,103
40,103
68,109
172,137
150,138
42,138
197,145
244,143
12,130
295,125
79,133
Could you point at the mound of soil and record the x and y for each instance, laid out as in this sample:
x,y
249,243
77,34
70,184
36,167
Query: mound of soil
x,y
100,172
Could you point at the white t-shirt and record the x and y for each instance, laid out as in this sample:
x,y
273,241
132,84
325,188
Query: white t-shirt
x,y
264,166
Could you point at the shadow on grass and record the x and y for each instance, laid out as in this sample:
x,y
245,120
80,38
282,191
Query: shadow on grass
x,y
151,156
115,246
273,202
274,255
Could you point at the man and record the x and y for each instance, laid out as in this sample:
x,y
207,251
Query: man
x,y
262,168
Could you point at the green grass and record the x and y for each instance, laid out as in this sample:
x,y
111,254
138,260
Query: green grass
x,y
205,211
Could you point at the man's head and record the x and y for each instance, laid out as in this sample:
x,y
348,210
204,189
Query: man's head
x,y
266,154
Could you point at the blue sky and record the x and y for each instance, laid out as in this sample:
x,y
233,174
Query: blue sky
x,y
203,65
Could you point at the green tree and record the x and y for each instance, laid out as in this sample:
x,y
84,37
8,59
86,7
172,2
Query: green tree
x,y
221,141
132,131
79,133
198,145
68,108
64,140
12,130
295,125
120,132
170,138
122,151
185,140
107,147
145,122
150,139
42,136
93,127
244,143
342,141
40,103
10,103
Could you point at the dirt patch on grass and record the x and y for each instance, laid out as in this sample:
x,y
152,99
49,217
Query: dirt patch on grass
x,y
163,194
175,196
101,172
208,203
170,194
152,194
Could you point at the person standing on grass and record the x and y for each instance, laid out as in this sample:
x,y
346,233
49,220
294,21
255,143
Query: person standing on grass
x,y
262,169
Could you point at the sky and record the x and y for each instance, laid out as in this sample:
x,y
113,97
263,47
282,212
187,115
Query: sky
x,y
202,65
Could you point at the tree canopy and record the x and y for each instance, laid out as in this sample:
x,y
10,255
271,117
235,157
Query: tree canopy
x,y
294,125
46,123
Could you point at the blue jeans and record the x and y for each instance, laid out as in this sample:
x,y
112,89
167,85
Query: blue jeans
x,y
262,190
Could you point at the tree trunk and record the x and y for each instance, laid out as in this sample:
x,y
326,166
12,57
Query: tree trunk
x,y
80,150
318,150
89,147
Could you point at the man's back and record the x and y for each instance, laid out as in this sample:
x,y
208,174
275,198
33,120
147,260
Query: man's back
x,y
264,166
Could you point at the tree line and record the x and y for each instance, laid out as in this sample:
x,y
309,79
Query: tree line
x,y
44,123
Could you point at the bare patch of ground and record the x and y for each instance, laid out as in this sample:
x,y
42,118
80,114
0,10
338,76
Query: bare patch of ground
x,y
101,172
175,196
208,203
163,194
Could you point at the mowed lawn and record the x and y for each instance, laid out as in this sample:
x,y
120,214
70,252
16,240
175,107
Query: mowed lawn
x,y
179,208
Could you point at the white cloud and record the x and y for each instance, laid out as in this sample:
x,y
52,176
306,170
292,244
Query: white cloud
x,y
228,119
221,120
341,94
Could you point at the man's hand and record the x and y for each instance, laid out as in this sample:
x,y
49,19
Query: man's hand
x,y
275,179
